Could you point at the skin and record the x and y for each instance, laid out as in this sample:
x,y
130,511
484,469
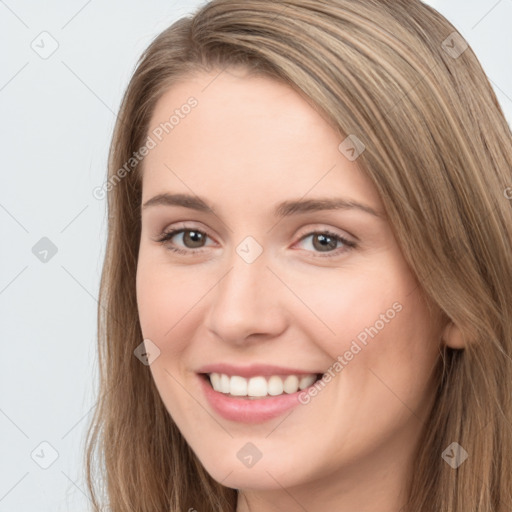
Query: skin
x,y
249,144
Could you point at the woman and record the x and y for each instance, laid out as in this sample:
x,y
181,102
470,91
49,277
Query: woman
x,y
306,300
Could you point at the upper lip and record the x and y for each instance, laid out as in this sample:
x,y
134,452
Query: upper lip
x,y
254,370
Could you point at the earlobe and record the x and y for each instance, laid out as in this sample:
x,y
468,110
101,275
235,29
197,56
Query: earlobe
x,y
452,336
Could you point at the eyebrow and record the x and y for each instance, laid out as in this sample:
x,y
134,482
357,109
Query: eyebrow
x,y
284,209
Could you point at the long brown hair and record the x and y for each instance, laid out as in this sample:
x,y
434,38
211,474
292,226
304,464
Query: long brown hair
x,y
400,77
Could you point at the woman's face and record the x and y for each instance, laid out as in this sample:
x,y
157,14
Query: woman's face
x,y
259,283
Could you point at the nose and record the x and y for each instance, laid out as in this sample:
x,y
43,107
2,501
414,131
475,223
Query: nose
x,y
248,302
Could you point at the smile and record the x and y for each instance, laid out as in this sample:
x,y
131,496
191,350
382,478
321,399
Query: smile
x,y
244,408
260,386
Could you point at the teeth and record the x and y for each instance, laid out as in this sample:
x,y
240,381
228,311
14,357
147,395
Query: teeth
x,y
238,386
260,386
257,386
275,386
291,384
224,384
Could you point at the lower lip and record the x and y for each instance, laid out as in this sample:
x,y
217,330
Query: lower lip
x,y
247,410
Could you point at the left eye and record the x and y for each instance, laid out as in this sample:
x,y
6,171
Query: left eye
x,y
322,241
325,241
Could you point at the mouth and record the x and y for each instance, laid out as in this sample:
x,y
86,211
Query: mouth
x,y
259,387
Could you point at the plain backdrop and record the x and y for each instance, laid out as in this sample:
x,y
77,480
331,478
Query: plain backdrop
x,y
65,66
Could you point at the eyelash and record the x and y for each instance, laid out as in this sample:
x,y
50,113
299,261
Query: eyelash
x,y
167,236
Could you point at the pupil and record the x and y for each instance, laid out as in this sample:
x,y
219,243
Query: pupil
x,y
194,236
326,238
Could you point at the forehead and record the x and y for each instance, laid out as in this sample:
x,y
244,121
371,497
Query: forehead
x,y
249,129
231,102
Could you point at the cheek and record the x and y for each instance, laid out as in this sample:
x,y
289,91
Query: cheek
x,y
388,356
353,305
164,298
166,310
378,326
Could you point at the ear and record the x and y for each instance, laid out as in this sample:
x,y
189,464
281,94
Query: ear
x,y
452,336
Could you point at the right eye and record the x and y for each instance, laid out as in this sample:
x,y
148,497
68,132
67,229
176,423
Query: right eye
x,y
190,236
